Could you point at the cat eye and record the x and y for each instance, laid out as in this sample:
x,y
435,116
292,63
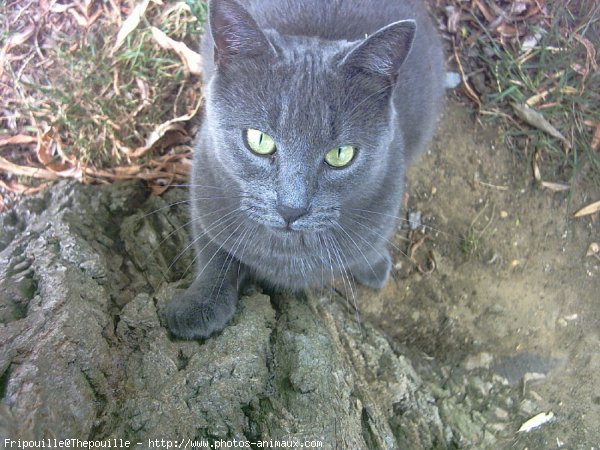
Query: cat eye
x,y
340,156
259,142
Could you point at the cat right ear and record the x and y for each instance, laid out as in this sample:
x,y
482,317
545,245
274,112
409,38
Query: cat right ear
x,y
234,31
383,52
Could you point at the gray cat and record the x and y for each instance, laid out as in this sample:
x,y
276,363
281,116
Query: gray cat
x,y
313,110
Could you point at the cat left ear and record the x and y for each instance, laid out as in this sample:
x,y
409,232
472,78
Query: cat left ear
x,y
383,52
234,31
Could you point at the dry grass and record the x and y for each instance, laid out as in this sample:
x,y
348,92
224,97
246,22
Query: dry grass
x,y
75,105
532,65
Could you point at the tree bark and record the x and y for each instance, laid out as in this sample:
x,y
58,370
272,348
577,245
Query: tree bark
x,y
84,353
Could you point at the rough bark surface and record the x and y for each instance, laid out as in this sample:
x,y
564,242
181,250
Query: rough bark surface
x,y
84,275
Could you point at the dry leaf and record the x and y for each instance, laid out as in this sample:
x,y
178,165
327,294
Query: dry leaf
x,y
536,422
13,41
535,99
535,119
19,38
593,249
590,50
568,90
130,24
160,185
536,167
595,145
507,30
144,94
33,172
49,153
589,209
191,59
469,90
453,15
92,19
518,8
556,187
58,8
79,18
19,188
88,7
485,11
161,130
579,69
531,41
19,139
116,173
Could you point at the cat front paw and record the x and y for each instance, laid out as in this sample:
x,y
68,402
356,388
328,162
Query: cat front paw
x,y
375,272
200,312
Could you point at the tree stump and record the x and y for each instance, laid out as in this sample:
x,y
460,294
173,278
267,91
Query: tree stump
x,y
84,353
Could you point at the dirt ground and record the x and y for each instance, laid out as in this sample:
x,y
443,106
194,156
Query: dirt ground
x,y
519,298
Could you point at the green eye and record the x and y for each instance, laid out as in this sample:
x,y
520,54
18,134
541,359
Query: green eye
x,y
340,156
259,142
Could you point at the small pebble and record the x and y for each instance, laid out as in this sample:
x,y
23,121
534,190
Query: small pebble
x,y
414,220
481,360
527,407
452,80
593,249
501,413
537,421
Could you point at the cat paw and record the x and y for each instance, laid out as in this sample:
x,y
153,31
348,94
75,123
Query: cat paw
x,y
375,273
199,312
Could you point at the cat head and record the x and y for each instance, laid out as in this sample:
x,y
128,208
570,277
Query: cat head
x,y
302,124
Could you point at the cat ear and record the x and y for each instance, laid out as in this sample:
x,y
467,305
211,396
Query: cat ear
x,y
383,52
234,31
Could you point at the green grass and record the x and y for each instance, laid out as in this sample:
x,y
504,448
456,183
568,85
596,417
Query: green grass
x,y
472,240
100,103
572,102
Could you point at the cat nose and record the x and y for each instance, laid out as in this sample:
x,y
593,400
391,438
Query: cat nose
x,y
291,213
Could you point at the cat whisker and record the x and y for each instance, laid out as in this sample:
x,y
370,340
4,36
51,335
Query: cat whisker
x,y
334,261
162,208
216,252
392,274
357,246
343,272
405,220
324,244
220,197
322,260
158,246
241,258
200,185
350,277
230,256
189,200
370,230
227,218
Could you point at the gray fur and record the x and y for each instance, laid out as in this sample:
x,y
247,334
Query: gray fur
x,y
304,72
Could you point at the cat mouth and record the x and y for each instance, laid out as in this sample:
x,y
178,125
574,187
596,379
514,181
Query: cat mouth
x,y
285,230
308,224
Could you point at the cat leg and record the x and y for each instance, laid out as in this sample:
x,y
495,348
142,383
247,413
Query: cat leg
x,y
373,270
210,302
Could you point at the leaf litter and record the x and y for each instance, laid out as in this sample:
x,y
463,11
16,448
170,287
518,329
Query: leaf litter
x,y
90,93
535,61
498,47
